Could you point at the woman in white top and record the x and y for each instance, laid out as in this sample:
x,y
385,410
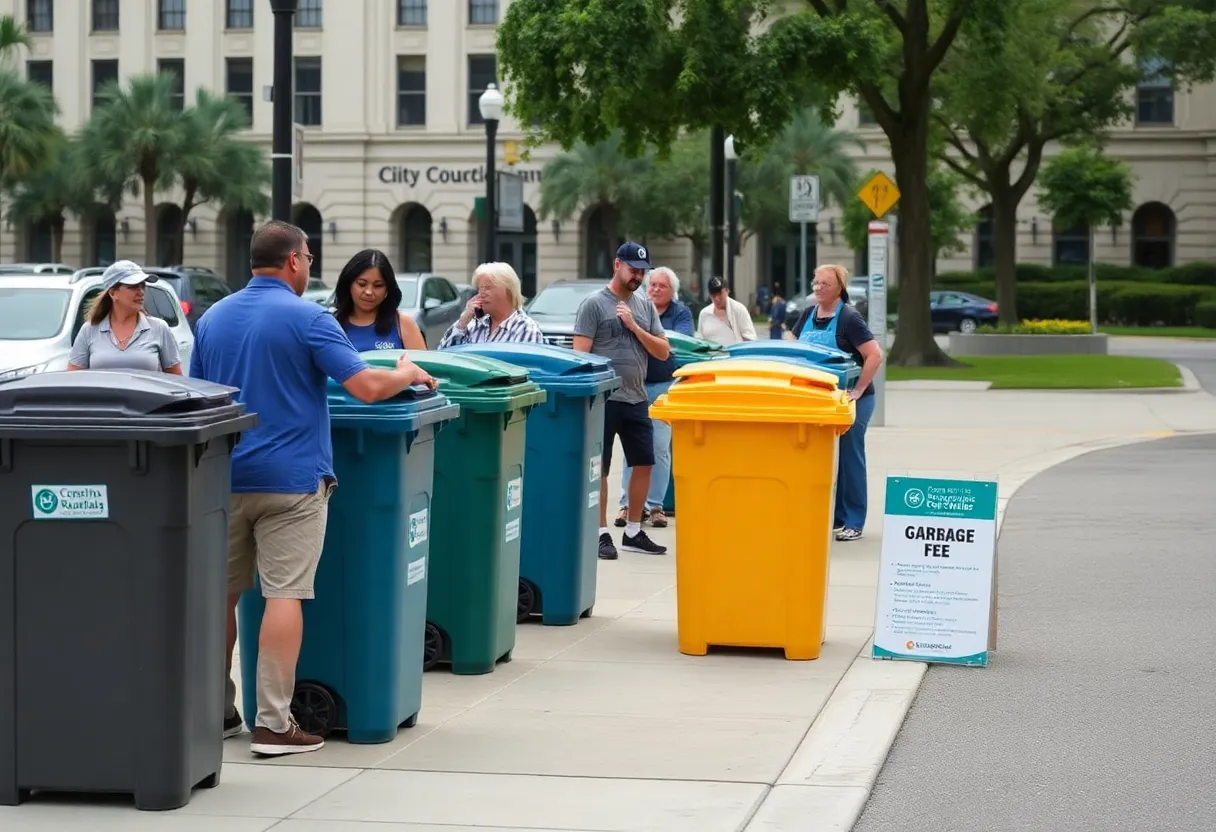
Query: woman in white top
x,y
725,321
118,335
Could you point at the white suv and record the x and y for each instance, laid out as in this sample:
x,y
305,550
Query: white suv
x,y
40,315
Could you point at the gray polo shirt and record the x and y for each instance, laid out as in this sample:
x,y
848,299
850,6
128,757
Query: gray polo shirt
x,y
598,321
152,347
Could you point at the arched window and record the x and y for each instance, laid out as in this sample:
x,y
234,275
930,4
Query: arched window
x,y
1154,231
239,234
600,249
416,245
519,249
1070,246
984,253
105,238
168,235
308,219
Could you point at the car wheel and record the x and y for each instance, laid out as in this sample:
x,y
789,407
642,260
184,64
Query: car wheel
x,y
967,325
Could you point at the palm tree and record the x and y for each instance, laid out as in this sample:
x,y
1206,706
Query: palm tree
x,y
593,176
215,165
806,146
12,35
134,140
52,191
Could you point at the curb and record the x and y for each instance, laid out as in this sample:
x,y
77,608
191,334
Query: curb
x,y
833,770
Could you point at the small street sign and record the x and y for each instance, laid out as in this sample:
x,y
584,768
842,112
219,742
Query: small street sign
x,y
804,198
879,194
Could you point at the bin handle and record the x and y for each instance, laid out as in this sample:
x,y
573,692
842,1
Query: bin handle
x,y
795,381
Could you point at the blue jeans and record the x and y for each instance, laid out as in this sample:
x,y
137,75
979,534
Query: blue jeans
x,y
851,495
661,471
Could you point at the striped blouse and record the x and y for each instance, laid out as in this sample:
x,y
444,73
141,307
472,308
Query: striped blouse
x,y
517,327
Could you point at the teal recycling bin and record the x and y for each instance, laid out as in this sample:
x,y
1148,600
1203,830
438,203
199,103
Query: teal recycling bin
x,y
360,667
687,349
836,362
563,446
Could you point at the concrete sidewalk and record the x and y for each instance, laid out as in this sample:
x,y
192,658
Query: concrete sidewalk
x,y
605,726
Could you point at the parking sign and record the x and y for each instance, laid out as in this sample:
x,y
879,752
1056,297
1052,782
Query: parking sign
x,y
804,198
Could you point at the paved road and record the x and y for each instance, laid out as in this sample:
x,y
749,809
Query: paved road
x,y
1099,711
1197,355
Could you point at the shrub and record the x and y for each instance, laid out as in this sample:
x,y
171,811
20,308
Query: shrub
x,y
1042,327
1190,274
1152,304
1205,314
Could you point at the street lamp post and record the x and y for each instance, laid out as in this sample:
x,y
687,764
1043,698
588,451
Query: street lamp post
x,y
732,222
490,105
717,161
284,22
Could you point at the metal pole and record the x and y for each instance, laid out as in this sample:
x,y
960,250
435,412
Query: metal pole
x,y
284,23
717,163
1093,281
878,312
491,255
732,225
802,261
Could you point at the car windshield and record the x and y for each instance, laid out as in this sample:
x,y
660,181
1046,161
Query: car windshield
x,y
32,314
561,300
409,291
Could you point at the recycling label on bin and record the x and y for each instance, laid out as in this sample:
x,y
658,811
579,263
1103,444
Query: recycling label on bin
x,y
515,493
70,502
415,571
595,469
593,498
512,530
417,528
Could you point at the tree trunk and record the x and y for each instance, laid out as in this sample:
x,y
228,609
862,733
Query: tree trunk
x,y
57,224
914,344
180,244
1005,251
149,223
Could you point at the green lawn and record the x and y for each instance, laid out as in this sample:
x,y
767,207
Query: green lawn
x,y
1161,331
1052,372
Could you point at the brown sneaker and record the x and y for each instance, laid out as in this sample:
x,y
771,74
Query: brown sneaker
x,y
657,518
292,741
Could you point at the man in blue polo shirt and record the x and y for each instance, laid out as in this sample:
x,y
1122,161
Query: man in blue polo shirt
x,y
279,351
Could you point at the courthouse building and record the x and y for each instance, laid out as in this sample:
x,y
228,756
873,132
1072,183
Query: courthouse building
x,y
394,148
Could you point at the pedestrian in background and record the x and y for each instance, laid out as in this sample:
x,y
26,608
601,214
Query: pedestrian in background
x,y
117,335
617,324
280,351
367,301
832,322
777,316
495,313
663,289
726,321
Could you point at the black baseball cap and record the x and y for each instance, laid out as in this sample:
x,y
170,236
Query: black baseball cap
x,y
634,255
716,284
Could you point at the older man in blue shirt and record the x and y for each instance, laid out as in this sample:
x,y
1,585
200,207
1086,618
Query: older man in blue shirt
x,y
280,351
663,289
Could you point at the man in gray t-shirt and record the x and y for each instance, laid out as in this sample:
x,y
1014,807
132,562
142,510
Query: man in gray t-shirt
x,y
621,326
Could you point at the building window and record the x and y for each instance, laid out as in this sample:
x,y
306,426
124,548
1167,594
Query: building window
x,y
171,15
240,14
416,240
1070,246
411,91
239,82
865,116
308,14
105,238
176,69
308,91
105,15
984,254
104,72
1154,231
41,72
411,12
483,71
483,12
39,16
1155,94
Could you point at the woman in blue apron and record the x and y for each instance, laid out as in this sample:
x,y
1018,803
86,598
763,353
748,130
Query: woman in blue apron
x,y
366,303
832,322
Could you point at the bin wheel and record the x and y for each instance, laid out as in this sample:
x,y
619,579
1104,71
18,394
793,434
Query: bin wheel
x,y
315,709
432,646
528,598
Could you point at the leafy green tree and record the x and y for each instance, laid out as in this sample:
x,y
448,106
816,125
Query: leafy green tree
x,y
135,140
13,35
1065,77
668,199
214,165
950,221
1081,186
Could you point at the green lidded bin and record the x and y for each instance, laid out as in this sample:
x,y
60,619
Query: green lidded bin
x,y
688,349
476,507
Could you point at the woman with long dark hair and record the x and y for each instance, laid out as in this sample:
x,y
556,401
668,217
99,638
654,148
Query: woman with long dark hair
x,y
366,304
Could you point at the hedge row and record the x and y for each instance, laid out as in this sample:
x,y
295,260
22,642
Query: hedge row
x,y
1127,303
1190,274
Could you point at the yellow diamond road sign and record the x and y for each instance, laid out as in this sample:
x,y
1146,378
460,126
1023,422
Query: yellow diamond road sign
x,y
879,194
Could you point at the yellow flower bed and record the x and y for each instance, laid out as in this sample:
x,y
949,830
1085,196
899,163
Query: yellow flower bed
x,y
1043,327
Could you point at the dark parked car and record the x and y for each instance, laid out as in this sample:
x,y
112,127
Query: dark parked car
x,y
556,305
961,311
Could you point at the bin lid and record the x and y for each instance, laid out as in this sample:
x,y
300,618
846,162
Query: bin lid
x,y
556,369
745,390
73,404
690,344
846,375
475,382
409,410
814,353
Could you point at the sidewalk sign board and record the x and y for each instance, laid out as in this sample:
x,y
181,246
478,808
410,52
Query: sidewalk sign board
x,y
804,208
937,572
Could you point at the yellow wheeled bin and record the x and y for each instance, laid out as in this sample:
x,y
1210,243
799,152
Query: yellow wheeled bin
x,y
760,437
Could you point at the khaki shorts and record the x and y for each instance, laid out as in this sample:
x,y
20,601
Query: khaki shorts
x,y
278,536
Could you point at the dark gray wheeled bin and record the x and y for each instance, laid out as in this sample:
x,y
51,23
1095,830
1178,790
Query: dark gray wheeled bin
x,y
114,490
